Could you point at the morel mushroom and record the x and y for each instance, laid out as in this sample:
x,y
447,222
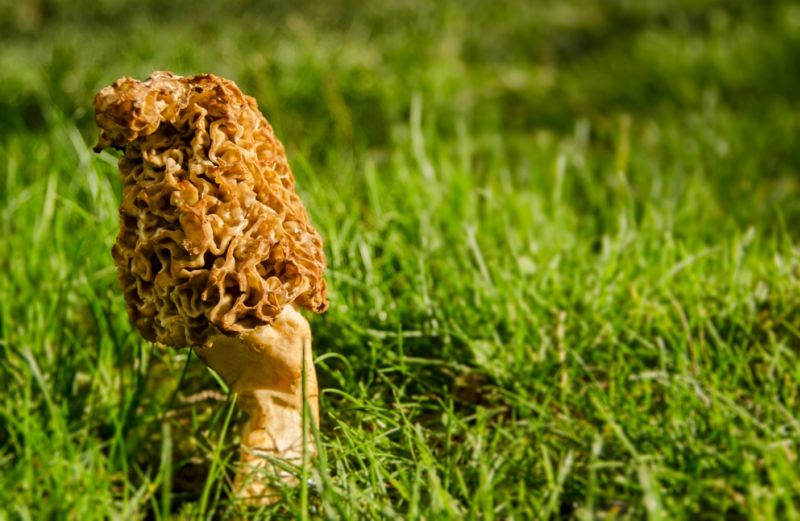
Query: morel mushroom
x,y
215,250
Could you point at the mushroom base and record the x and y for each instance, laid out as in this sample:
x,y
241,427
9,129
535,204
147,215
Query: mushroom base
x,y
266,369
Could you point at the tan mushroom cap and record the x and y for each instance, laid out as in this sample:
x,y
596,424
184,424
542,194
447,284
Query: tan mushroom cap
x,y
213,237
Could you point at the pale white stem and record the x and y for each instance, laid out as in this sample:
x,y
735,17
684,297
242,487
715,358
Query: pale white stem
x,y
265,369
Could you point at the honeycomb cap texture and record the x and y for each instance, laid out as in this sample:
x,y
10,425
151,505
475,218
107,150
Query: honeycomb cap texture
x,y
213,238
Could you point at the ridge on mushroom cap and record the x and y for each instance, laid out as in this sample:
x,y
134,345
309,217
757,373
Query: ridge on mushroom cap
x,y
213,237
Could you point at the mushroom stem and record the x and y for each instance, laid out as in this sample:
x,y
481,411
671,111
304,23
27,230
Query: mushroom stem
x,y
265,367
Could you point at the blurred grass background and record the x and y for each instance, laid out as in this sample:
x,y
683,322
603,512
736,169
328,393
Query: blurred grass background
x,y
563,253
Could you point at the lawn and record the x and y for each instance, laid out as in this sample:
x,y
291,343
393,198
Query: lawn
x,y
563,241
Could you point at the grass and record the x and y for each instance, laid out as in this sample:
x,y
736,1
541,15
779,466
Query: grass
x,y
563,256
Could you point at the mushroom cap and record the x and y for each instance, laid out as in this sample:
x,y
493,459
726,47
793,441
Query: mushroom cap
x,y
213,238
